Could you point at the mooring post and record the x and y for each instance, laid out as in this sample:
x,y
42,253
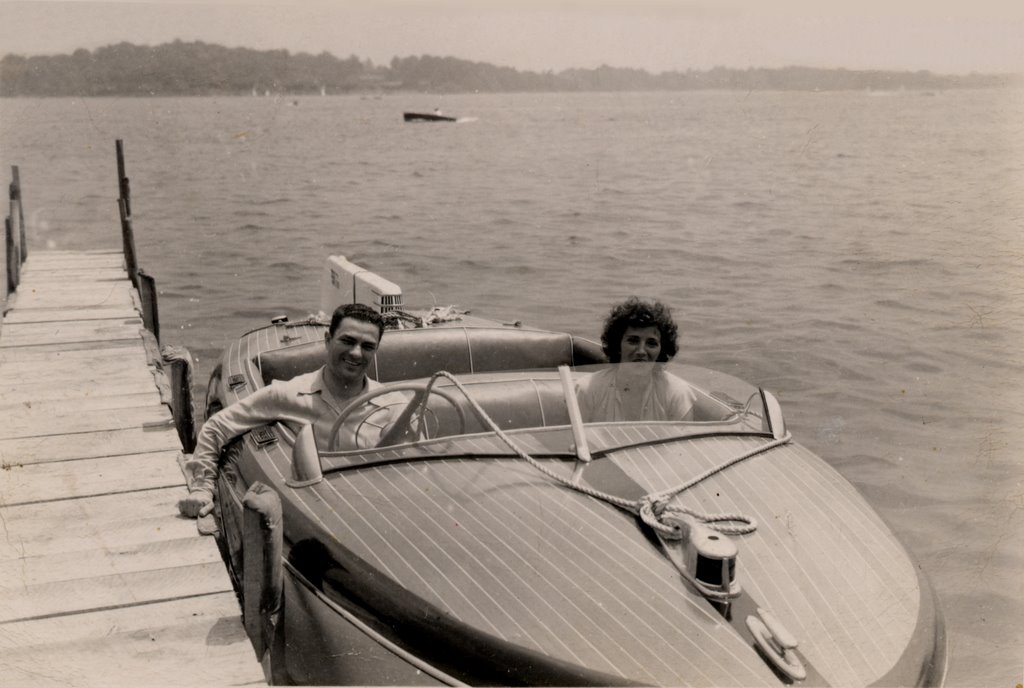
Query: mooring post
x,y
150,311
12,242
128,243
16,192
144,283
123,187
9,282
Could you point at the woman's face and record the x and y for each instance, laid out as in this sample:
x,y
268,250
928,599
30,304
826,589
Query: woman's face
x,y
640,344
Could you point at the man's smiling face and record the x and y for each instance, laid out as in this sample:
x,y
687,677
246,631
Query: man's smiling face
x,y
350,350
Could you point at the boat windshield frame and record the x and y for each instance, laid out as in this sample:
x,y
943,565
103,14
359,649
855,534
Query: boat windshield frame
x,y
715,391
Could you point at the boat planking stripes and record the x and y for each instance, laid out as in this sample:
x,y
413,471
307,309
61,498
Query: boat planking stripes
x,y
101,581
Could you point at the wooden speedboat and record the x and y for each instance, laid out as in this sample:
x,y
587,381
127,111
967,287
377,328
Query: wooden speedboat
x,y
427,117
492,537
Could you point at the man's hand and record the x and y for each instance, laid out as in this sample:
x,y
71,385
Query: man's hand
x,y
198,504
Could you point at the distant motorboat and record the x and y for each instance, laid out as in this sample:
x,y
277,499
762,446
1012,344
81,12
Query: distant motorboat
x,y
435,116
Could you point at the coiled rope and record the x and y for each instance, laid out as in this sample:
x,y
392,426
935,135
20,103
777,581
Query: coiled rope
x,y
651,507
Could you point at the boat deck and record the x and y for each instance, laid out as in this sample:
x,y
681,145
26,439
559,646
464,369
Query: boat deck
x,y
101,582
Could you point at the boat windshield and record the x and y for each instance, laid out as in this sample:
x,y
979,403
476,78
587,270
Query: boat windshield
x,y
613,405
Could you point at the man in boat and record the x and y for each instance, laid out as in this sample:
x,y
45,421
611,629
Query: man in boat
x,y
640,337
314,398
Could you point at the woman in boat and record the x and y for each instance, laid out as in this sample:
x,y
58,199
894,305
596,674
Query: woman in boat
x,y
640,337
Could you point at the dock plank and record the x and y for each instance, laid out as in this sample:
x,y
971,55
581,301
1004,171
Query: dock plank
x,y
46,260
116,590
63,407
88,445
38,424
104,521
177,646
83,369
25,334
31,392
117,294
56,630
62,566
56,480
102,351
51,275
29,315
127,344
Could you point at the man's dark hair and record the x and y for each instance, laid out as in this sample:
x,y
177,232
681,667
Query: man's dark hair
x,y
359,311
636,313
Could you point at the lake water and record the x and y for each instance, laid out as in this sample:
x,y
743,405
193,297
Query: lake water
x,y
861,254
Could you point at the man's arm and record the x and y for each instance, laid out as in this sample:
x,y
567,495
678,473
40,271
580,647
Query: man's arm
x,y
259,408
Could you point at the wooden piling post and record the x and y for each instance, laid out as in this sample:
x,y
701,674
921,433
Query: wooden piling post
x,y
123,187
16,197
8,288
128,243
14,238
13,255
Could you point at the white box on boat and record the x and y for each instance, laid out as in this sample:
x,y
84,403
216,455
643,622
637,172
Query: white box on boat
x,y
345,282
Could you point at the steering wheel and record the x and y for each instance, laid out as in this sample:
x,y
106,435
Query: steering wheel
x,y
402,425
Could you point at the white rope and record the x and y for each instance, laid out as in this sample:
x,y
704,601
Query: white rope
x,y
651,507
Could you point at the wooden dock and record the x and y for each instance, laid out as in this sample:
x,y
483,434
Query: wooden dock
x,y
101,582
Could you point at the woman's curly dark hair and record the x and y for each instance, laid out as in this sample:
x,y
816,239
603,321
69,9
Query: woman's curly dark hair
x,y
636,313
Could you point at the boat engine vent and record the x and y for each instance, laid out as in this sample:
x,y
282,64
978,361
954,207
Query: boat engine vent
x,y
345,282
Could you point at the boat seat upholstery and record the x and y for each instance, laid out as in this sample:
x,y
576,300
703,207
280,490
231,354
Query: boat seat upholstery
x,y
412,354
511,404
526,403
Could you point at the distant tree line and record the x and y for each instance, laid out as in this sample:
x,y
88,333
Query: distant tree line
x,y
196,68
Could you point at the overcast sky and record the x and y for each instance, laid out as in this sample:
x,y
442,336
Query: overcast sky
x,y
943,36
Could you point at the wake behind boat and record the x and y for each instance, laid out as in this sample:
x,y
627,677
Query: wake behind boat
x,y
491,536
435,116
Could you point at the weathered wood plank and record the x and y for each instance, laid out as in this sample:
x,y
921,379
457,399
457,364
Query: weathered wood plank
x,y
36,425
93,523
83,284
109,250
11,409
46,260
73,346
117,294
87,445
25,334
100,351
195,642
81,594
24,484
44,275
79,371
31,392
40,633
51,568
28,315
